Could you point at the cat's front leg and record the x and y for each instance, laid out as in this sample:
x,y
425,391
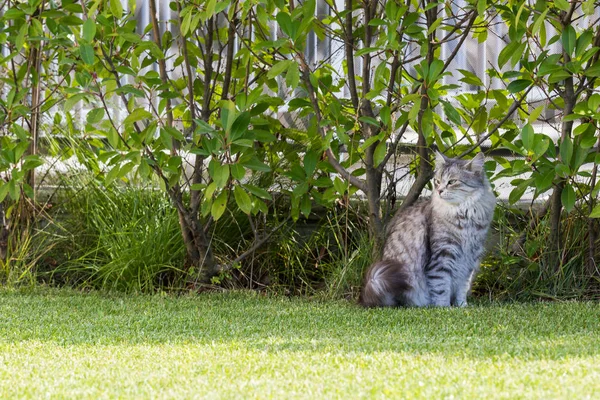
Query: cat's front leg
x,y
440,287
462,290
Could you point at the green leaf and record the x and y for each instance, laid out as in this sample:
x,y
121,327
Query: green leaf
x,y
451,112
583,43
129,89
568,197
519,85
278,68
305,205
594,102
385,115
534,115
228,114
340,186
569,38
95,115
210,190
588,7
310,162
242,199
112,175
594,214
31,162
185,23
427,123
86,51
435,25
116,8
13,190
369,120
566,150
507,53
379,153
366,50
538,22
516,194
73,100
544,181
562,170
174,133
240,126
414,111
220,175
137,115
219,205
542,142
292,77
594,70
3,190
256,165
470,78
258,192
20,132
113,137
237,171
20,40
289,27
581,129
434,70
562,4
481,8
89,30
527,136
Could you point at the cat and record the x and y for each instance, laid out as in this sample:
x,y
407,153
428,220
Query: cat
x,y
433,248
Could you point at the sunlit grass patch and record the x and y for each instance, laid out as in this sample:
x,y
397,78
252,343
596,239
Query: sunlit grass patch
x,y
243,345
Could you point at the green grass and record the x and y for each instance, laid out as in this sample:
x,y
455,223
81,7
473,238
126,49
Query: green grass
x,y
64,344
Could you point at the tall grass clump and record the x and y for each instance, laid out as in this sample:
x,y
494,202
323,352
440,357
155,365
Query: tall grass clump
x,y
118,238
324,255
517,268
25,250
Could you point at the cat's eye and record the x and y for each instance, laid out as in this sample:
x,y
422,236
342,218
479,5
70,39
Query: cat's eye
x,y
436,181
452,181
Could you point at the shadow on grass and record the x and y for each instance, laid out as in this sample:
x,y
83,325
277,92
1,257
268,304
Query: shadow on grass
x,y
274,324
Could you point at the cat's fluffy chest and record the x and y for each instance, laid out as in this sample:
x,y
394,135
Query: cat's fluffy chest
x,y
464,225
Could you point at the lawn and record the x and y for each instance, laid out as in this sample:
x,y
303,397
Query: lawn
x,y
64,344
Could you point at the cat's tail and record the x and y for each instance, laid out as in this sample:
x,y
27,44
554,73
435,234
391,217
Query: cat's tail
x,y
386,284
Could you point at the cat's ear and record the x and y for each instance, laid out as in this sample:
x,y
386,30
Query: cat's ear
x,y
440,159
476,164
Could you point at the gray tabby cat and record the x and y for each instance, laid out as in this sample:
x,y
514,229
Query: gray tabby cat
x,y
433,249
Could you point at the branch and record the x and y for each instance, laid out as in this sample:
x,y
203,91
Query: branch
x,y
229,59
330,156
514,106
254,247
392,150
348,44
425,168
161,63
460,43
195,195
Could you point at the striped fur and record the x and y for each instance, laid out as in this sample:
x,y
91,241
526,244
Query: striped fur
x,y
433,249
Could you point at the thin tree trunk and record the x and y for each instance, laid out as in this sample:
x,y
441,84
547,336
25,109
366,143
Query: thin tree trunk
x,y
554,259
373,174
3,233
35,62
425,169
198,249
592,248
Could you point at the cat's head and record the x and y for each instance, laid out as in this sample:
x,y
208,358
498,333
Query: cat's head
x,y
456,180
